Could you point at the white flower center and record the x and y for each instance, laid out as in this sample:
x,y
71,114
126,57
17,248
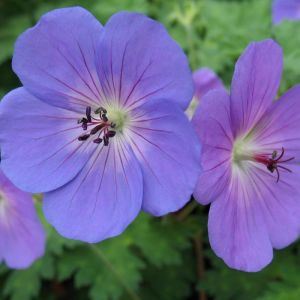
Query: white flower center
x,y
3,206
118,116
243,149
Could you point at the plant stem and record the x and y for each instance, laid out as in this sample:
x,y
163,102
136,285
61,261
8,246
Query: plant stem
x,y
107,263
186,211
200,262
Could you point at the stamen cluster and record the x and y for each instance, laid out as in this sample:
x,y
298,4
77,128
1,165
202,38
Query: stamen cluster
x,y
102,126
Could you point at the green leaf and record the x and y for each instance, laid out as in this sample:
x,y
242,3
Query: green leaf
x,y
23,285
109,269
170,239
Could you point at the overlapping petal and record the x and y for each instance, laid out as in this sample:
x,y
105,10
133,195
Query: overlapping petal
x,y
213,125
138,61
255,83
22,238
206,80
39,146
102,200
55,60
168,150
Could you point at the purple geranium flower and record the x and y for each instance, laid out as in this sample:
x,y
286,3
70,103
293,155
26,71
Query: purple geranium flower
x,y
285,9
206,80
22,238
250,159
99,125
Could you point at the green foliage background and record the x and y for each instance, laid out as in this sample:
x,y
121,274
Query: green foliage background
x,y
164,258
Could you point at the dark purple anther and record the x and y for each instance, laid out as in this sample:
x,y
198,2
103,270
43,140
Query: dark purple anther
x,y
103,110
82,120
97,111
88,113
97,140
100,109
105,139
104,118
84,126
97,128
83,137
111,133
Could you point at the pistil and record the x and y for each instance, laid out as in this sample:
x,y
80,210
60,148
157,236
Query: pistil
x,y
245,150
274,162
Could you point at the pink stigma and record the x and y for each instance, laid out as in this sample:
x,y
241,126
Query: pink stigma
x,y
273,162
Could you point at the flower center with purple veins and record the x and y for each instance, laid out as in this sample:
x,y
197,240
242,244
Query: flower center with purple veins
x,y
97,126
273,161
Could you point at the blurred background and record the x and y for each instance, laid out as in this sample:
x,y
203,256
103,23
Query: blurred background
x,y
158,258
